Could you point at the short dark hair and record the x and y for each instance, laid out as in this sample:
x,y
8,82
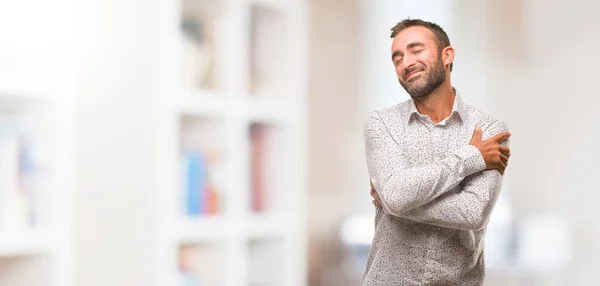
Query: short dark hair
x,y
440,37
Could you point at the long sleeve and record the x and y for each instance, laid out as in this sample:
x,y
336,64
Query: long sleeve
x,y
402,189
469,208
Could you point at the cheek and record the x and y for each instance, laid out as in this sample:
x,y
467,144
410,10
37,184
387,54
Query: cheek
x,y
426,60
399,71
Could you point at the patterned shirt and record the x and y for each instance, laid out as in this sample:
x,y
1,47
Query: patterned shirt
x,y
436,195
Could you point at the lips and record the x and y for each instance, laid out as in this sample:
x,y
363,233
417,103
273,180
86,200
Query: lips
x,y
412,73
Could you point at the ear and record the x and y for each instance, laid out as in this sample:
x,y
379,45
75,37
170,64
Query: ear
x,y
448,54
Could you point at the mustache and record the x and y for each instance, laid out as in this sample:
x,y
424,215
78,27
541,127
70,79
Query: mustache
x,y
408,71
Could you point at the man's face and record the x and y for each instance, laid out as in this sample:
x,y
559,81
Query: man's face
x,y
419,66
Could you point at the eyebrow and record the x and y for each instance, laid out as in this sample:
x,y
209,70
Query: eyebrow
x,y
414,44
408,47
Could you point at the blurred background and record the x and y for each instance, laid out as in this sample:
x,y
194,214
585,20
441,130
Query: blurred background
x,y
219,142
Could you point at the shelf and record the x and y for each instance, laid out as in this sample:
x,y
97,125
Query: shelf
x,y
203,103
32,80
209,104
267,226
202,229
26,244
271,111
18,100
279,5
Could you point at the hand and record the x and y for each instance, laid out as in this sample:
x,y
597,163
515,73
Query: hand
x,y
376,199
495,155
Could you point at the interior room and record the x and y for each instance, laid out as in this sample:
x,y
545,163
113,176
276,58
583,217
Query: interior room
x,y
221,142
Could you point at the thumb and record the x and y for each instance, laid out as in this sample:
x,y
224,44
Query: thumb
x,y
477,134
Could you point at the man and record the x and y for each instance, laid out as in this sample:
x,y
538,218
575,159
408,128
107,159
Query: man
x,y
436,167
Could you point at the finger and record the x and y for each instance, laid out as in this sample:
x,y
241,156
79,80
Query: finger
x,y
376,199
501,168
477,134
504,159
504,150
376,203
376,196
501,136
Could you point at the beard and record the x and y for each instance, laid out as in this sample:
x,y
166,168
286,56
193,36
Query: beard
x,y
424,85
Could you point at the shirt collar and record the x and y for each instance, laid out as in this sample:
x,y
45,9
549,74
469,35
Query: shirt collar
x,y
457,108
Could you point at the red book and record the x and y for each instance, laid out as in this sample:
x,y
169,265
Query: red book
x,y
258,135
212,200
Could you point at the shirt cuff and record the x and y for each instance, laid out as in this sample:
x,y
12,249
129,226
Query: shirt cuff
x,y
472,159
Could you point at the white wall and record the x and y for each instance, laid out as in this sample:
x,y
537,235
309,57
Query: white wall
x,y
116,142
543,80
334,133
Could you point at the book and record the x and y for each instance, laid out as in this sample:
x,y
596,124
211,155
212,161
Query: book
x,y
258,137
197,28
15,192
195,169
201,196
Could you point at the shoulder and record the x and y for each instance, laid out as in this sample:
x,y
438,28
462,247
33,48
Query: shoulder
x,y
388,116
490,125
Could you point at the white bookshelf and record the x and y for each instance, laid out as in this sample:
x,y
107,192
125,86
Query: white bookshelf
x,y
28,243
36,88
202,230
35,170
237,245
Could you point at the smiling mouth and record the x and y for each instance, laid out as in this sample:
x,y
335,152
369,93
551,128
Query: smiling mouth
x,y
411,74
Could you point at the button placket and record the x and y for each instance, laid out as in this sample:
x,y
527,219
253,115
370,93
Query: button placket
x,y
436,141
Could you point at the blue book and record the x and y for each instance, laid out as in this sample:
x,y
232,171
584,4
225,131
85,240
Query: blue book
x,y
196,183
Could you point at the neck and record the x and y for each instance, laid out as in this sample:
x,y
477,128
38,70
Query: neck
x,y
438,104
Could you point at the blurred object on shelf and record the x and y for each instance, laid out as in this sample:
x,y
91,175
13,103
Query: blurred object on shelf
x,y
268,168
200,194
186,275
202,167
258,134
201,265
197,27
268,63
21,199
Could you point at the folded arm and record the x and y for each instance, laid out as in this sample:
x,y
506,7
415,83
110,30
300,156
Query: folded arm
x,y
469,207
402,188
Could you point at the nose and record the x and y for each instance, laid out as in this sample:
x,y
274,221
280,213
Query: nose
x,y
409,61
